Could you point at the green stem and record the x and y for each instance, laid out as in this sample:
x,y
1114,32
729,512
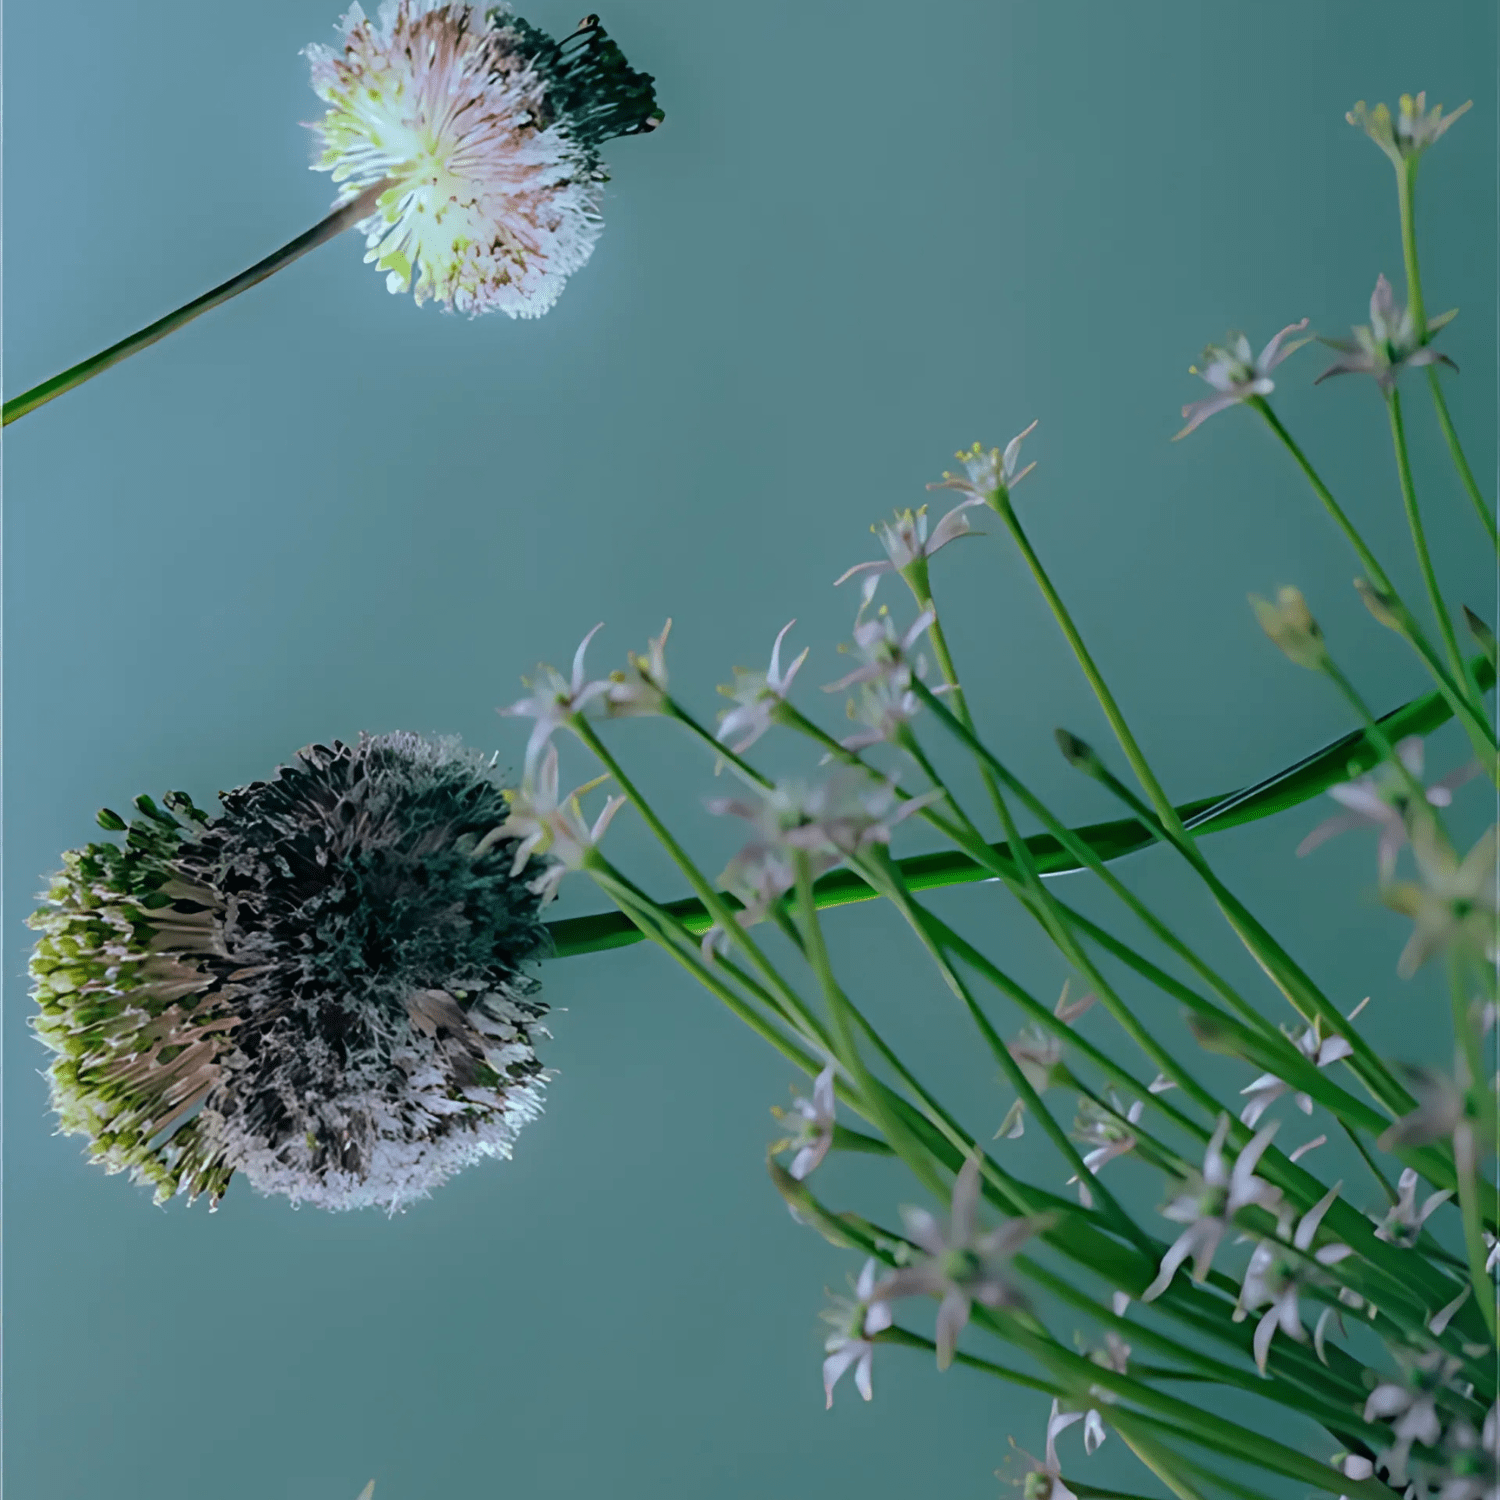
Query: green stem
x,y
1476,726
1456,663
335,224
1406,192
1349,756
1000,502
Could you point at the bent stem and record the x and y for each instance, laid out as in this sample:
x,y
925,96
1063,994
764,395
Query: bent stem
x,y
334,225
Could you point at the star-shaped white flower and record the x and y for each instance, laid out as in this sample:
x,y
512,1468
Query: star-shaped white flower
x,y
855,1320
961,1266
1276,1278
756,696
1402,1224
554,699
1414,129
987,471
1389,343
815,1129
1455,903
1319,1050
1236,374
1108,1135
1379,800
906,542
1209,1202
643,689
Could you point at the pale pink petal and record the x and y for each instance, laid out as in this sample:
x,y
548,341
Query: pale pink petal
x,y
953,1314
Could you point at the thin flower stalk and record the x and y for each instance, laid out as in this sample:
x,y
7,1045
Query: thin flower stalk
x,y
1476,725
1457,663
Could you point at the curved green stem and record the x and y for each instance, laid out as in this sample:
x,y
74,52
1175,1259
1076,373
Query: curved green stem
x,y
1346,757
335,224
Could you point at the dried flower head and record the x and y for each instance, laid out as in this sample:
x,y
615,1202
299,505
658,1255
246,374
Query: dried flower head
x,y
1413,130
1237,374
1389,343
488,133
323,987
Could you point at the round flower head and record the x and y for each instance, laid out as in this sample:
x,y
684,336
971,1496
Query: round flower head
x,y
323,987
487,133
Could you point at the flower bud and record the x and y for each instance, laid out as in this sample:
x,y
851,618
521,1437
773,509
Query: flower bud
x,y
1291,626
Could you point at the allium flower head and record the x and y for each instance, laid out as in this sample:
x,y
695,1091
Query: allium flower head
x,y
1236,374
907,544
1320,1051
1413,130
814,1129
323,987
554,699
1389,343
1402,1224
488,133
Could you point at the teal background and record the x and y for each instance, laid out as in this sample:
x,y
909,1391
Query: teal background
x,y
864,236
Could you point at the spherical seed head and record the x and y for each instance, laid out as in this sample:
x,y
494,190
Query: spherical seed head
x,y
489,132
325,972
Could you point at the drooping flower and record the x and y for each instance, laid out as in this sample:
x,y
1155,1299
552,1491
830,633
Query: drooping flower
x,y
961,1266
855,1320
987,471
541,823
907,543
814,1129
1380,800
323,987
1414,129
1276,1278
1389,343
1402,1224
1236,374
1456,902
756,696
487,134
1208,1203
1319,1050
554,699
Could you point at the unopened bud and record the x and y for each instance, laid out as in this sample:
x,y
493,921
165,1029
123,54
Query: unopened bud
x,y
1077,753
1481,633
1382,606
1290,624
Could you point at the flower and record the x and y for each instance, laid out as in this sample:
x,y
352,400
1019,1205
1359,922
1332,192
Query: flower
x,y
1389,343
1236,375
1410,1405
1402,1224
815,1133
1454,905
1380,800
1442,1112
988,473
854,1320
330,971
1208,1203
1414,130
1272,1276
961,1266
643,690
1115,1355
540,823
555,699
486,133
757,695
1472,1470
1319,1050
1044,1480
1291,626
1105,1129
907,543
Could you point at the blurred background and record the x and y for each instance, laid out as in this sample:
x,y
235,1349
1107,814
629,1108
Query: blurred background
x,y
864,236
